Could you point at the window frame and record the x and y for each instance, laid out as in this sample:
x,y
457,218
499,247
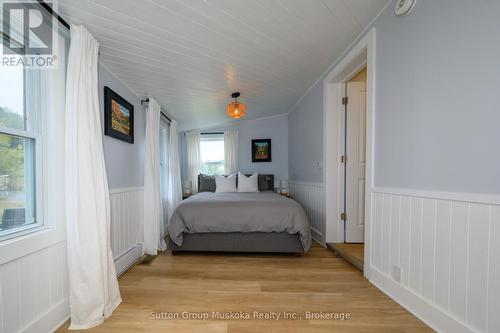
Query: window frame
x,y
48,116
215,136
32,125
38,184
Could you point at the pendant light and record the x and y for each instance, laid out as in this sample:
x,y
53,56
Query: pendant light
x,y
236,109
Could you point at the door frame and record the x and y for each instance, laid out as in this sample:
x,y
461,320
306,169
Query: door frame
x,y
361,54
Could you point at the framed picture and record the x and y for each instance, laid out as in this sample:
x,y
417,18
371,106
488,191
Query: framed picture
x,y
261,150
118,117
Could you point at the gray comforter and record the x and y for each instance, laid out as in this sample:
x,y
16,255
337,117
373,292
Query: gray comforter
x,y
239,212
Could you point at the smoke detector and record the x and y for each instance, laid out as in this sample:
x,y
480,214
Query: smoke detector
x,y
403,7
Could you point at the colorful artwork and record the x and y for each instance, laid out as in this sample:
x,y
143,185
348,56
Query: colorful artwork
x,y
261,150
118,117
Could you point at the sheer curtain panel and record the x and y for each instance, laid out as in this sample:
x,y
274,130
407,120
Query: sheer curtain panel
x,y
230,152
193,158
93,286
164,170
174,172
153,211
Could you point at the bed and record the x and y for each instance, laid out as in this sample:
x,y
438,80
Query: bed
x,y
240,222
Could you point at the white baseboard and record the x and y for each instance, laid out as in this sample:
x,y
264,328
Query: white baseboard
x,y
51,320
427,312
127,259
317,236
59,314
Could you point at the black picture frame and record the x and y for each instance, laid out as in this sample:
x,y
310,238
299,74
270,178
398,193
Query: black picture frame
x,y
257,146
110,128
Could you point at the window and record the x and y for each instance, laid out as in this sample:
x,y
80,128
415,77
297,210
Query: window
x,y
29,96
212,154
18,140
32,152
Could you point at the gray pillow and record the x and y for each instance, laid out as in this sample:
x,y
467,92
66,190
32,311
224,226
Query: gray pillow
x,y
265,182
206,183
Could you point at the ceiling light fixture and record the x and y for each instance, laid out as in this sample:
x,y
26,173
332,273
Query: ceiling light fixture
x,y
236,109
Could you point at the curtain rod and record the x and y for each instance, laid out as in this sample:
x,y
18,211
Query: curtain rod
x,y
49,9
146,101
209,133
53,13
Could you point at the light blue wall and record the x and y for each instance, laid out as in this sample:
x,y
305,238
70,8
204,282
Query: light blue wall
x,y
124,161
274,128
438,97
305,137
437,100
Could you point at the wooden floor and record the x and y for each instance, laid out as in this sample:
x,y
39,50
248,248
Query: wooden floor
x,y
354,253
204,283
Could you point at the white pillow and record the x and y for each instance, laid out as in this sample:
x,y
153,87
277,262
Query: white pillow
x,y
225,184
248,184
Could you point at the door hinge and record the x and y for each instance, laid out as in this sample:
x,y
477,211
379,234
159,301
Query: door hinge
x,y
343,159
343,216
345,100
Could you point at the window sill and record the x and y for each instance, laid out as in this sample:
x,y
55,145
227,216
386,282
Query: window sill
x,y
33,240
6,235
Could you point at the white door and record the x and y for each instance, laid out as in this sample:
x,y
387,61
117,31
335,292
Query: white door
x,y
355,140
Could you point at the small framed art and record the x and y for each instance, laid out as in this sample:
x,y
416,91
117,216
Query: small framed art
x,y
261,150
118,116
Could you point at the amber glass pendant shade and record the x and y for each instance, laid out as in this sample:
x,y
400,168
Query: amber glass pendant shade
x,y
236,109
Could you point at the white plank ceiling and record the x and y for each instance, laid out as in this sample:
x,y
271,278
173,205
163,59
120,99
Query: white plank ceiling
x,y
191,54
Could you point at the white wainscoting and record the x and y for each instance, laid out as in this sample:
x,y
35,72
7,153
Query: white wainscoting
x,y
34,291
311,197
34,288
126,226
438,255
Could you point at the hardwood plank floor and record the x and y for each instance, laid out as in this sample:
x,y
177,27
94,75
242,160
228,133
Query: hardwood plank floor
x,y
354,253
202,283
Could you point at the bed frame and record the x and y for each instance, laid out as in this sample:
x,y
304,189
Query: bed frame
x,y
276,242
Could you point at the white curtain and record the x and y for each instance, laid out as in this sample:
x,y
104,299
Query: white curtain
x,y
153,211
193,158
93,286
230,152
164,169
174,192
